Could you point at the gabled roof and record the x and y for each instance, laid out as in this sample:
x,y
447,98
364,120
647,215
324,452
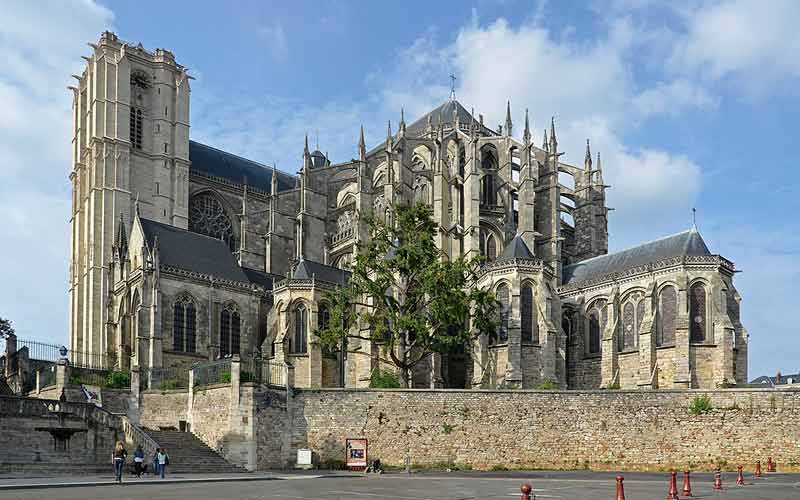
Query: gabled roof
x,y
444,114
236,169
516,249
267,280
307,269
766,380
686,243
192,251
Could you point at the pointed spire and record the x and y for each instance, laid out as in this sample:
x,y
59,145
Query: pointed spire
x,y
274,180
545,143
362,146
599,171
430,123
587,160
389,136
121,239
508,119
526,135
553,142
305,147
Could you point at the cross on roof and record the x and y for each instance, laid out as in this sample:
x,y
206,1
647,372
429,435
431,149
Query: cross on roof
x,y
452,86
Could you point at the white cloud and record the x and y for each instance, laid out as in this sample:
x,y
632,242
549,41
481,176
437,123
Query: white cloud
x,y
753,42
35,132
276,41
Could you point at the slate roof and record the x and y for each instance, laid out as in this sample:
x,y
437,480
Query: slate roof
x,y
765,380
686,243
192,251
261,278
306,269
516,249
217,163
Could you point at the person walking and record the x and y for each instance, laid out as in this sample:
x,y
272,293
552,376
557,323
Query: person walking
x,y
118,458
138,460
163,461
156,468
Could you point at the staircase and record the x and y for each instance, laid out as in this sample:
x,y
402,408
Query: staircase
x,y
187,454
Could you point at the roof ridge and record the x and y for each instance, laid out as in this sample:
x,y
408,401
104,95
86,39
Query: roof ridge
x,y
180,229
691,230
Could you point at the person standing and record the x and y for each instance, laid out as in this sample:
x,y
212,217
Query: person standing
x,y
118,458
156,467
163,461
138,460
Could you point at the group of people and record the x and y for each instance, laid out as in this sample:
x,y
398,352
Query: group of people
x,y
160,461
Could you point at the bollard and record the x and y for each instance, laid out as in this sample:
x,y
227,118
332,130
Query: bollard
x,y
687,484
620,488
758,469
771,466
718,481
526,492
672,494
740,477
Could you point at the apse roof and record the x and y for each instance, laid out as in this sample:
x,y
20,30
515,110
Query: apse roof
x,y
516,249
307,269
236,169
686,243
192,251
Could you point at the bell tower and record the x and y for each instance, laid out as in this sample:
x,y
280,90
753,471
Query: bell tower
x,y
130,143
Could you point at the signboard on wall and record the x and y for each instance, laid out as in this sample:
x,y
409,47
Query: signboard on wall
x,y
355,453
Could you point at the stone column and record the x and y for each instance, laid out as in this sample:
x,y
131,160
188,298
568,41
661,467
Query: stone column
x,y
513,372
136,381
647,340
62,375
236,372
683,375
190,401
609,364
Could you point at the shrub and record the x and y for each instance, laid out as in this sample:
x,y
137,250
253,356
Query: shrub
x,y
118,380
701,404
167,385
447,428
547,385
225,378
246,377
384,380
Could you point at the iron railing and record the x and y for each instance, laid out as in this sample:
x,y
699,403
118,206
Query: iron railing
x,y
215,372
169,378
262,371
43,351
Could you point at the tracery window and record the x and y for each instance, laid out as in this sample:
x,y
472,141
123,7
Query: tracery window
x,y
505,312
229,331
207,216
667,311
136,127
628,327
184,321
697,312
594,332
515,208
530,332
491,248
323,317
488,192
299,344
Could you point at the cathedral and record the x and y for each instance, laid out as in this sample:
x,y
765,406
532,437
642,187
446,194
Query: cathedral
x,y
183,253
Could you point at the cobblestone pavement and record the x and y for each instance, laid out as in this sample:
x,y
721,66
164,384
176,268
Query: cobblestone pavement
x,y
432,486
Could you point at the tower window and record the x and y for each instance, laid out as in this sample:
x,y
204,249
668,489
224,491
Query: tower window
x,y
136,127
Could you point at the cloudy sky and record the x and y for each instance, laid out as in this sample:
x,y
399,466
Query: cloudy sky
x,y
691,104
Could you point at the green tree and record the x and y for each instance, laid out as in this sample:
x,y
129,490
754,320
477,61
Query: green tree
x,y
5,327
408,297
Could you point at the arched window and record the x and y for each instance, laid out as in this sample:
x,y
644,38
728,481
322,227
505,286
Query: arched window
x,y
667,311
299,343
515,208
323,317
594,332
488,192
229,331
207,216
462,160
697,312
628,327
505,311
515,165
530,332
184,319
491,248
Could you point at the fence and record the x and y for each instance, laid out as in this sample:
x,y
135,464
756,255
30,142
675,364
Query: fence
x,y
215,372
262,371
169,378
100,378
42,351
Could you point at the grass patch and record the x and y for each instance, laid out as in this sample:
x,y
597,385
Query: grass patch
x,y
701,405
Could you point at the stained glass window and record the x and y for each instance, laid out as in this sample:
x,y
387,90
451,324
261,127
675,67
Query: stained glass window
x,y
594,332
299,344
207,216
668,305
697,312
628,327
529,330
505,311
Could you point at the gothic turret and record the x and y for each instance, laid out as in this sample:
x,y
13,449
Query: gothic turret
x,y
508,130
362,146
526,135
587,160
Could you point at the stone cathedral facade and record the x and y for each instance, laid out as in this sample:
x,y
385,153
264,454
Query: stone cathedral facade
x,y
184,253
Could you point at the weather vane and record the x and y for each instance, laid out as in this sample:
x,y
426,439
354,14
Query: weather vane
x,y
452,86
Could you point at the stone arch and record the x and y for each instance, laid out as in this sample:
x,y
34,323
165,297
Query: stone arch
x,y
421,158
699,300
380,175
502,291
346,195
528,321
212,215
667,314
230,329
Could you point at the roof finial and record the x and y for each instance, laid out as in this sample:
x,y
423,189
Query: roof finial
x,y
545,143
508,118
362,146
526,135
587,160
452,87
402,121
553,142
694,218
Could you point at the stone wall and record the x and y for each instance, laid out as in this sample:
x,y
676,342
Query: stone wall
x,y
210,415
649,430
162,409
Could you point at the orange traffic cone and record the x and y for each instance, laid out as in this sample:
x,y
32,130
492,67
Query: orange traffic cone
x,y
620,488
718,481
758,469
526,492
672,494
771,466
740,477
687,485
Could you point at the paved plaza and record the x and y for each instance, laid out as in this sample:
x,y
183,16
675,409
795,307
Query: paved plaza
x,y
430,486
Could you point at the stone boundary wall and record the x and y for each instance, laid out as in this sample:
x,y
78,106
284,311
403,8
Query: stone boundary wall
x,y
209,415
163,409
620,430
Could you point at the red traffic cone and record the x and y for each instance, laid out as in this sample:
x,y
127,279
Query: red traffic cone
x,y
526,491
740,477
718,481
672,494
771,467
758,469
687,485
620,488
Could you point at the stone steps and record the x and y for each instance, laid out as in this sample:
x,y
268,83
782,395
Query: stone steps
x,y
187,454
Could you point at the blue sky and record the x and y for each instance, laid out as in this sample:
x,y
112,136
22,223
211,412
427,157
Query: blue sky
x,y
691,104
